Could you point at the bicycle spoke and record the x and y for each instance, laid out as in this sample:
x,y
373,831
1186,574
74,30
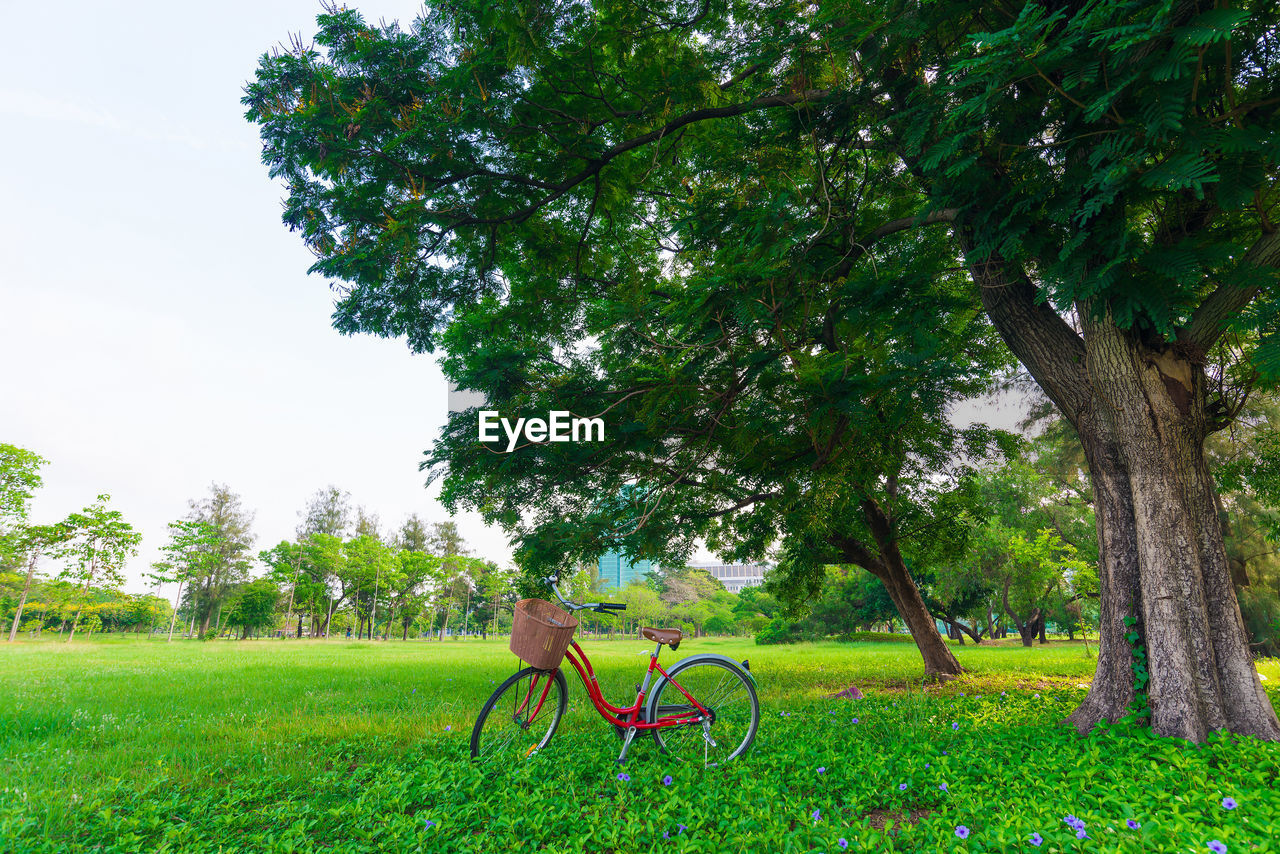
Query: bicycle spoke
x,y
520,718
733,713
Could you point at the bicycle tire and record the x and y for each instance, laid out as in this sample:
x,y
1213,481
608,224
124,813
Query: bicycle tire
x,y
501,735
719,686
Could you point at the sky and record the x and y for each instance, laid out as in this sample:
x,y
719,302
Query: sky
x,y
158,329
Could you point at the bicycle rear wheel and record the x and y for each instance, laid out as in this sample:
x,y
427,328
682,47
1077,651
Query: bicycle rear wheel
x,y
726,692
521,716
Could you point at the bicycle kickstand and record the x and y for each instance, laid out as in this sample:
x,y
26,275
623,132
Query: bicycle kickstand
x,y
626,742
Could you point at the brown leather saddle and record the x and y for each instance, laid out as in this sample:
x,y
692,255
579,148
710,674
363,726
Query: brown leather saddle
x,y
671,637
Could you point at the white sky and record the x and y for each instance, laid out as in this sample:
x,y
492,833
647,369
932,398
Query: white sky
x,y
158,330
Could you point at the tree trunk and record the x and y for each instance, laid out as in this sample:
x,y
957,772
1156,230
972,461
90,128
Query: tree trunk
x,y
173,618
1139,408
22,601
93,567
890,568
1041,628
1202,676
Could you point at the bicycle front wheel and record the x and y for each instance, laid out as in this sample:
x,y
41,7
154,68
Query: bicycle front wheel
x,y
722,689
521,716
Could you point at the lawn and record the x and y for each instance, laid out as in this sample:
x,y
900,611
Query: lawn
x,y
133,745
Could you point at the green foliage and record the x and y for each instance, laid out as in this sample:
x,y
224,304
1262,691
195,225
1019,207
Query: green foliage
x,y
254,606
1260,608
1140,708
19,479
779,631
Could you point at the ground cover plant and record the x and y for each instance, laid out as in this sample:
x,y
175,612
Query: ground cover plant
x,y
336,746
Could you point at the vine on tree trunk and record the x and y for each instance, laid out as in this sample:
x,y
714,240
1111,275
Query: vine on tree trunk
x,y
1139,709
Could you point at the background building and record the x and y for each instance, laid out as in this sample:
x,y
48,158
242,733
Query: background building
x,y
735,576
616,571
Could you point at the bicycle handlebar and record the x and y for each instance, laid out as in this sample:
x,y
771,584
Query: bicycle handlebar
x,y
598,607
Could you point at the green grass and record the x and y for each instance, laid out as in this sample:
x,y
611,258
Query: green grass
x,y
130,745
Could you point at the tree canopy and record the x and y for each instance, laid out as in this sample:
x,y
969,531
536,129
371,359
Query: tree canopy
x,y
761,180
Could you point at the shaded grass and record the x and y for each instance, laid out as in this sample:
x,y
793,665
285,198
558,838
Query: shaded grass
x,y
253,744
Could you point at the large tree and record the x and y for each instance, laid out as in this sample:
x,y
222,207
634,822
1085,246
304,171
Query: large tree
x,y
1105,174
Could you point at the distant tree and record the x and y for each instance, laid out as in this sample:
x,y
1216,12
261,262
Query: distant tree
x,y
413,535
1027,572
495,594
227,555
20,543
445,539
367,524
100,542
328,512
144,613
19,480
191,553
254,606
33,541
325,562
368,566
687,584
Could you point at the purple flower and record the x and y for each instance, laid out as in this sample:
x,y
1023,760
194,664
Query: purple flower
x,y
961,693
624,778
855,720
1229,803
943,787
962,831
666,835
1082,834
944,753
1132,825
1217,847
428,824
1073,822
955,725
843,843
666,781
822,770
1037,840
816,815
448,728
902,787
681,828
926,764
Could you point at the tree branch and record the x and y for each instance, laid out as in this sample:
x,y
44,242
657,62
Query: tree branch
x,y
597,164
1209,320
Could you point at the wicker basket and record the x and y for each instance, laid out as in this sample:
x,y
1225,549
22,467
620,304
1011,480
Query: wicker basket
x,y
541,633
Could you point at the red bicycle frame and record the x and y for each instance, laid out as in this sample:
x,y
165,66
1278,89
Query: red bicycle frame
x,y
607,710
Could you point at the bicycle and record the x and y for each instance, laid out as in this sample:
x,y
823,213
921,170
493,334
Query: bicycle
x,y
711,709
